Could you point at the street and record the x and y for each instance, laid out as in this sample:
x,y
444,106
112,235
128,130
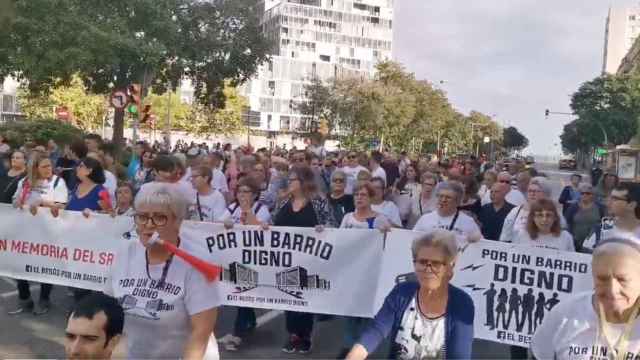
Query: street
x,y
28,336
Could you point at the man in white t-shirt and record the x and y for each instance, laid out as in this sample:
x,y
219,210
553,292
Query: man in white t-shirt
x,y
448,217
351,170
382,206
375,166
208,204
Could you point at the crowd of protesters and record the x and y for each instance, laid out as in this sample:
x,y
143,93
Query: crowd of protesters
x,y
451,201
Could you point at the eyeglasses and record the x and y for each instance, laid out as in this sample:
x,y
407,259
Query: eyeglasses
x,y
156,219
337,180
544,215
351,156
423,264
444,197
617,198
586,193
428,184
505,181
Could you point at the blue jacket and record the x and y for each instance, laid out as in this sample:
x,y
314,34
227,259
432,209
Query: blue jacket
x,y
458,323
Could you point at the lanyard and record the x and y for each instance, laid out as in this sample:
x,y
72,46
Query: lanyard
x,y
622,343
165,268
199,208
453,222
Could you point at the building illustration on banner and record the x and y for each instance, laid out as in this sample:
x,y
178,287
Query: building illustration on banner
x,y
293,281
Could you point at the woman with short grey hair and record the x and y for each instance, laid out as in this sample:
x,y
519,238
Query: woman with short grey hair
x,y
179,320
601,323
426,319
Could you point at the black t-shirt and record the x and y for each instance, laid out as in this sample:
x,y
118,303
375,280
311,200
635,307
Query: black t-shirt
x,y
491,221
8,186
341,206
305,217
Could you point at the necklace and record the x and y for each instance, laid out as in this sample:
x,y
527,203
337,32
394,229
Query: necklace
x,y
618,350
165,268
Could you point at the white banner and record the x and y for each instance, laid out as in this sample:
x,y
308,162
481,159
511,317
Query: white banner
x,y
338,271
69,250
512,286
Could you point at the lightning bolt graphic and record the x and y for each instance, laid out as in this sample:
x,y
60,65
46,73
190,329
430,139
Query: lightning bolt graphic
x,y
473,287
472,267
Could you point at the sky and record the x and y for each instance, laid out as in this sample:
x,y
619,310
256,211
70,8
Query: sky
x,y
508,58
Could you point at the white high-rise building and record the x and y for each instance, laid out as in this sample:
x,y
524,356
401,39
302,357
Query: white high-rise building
x,y
622,29
9,106
314,39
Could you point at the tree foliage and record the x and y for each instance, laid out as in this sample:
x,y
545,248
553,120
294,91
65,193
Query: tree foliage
x,y
86,110
512,139
115,43
610,103
396,109
39,131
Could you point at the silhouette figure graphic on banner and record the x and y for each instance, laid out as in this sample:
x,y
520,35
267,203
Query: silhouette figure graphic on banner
x,y
490,295
539,314
501,309
553,301
515,300
528,304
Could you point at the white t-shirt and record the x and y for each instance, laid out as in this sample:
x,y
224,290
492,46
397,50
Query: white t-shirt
x,y
420,207
352,177
608,229
514,197
569,332
219,181
233,213
379,172
110,183
419,337
562,242
463,227
54,190
157,319
349,221
390,210
207,208
516,221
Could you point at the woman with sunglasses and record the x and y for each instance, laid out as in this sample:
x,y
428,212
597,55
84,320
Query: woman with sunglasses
x,y
339,202
246,210
352,168
170,308
40,188
302,207
584,216
427,319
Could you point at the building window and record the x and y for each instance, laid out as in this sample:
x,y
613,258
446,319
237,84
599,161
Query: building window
x,y
325,58
269,118
285,123
632,17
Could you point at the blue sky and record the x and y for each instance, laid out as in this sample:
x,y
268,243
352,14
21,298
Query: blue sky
x,y
505,57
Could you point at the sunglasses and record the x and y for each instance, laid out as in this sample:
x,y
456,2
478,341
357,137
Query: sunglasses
x,y
338,180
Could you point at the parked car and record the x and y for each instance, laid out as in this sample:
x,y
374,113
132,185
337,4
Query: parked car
x,y
567,164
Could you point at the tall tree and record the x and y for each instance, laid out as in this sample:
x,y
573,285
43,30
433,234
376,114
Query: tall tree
x,y
112,44
512,139
572,139
610,104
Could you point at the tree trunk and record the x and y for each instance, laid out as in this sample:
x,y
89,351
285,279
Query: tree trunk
x,y
118,129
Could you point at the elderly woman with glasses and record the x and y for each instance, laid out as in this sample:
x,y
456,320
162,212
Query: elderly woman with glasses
x,y
427,319
602,323
170,308
516,221
339,202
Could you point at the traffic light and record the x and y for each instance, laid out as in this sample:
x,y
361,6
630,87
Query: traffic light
x,y
133,91
546,113
145,115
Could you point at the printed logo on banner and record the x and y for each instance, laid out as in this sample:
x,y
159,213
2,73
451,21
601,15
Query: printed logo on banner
x,y
513,288
293,281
